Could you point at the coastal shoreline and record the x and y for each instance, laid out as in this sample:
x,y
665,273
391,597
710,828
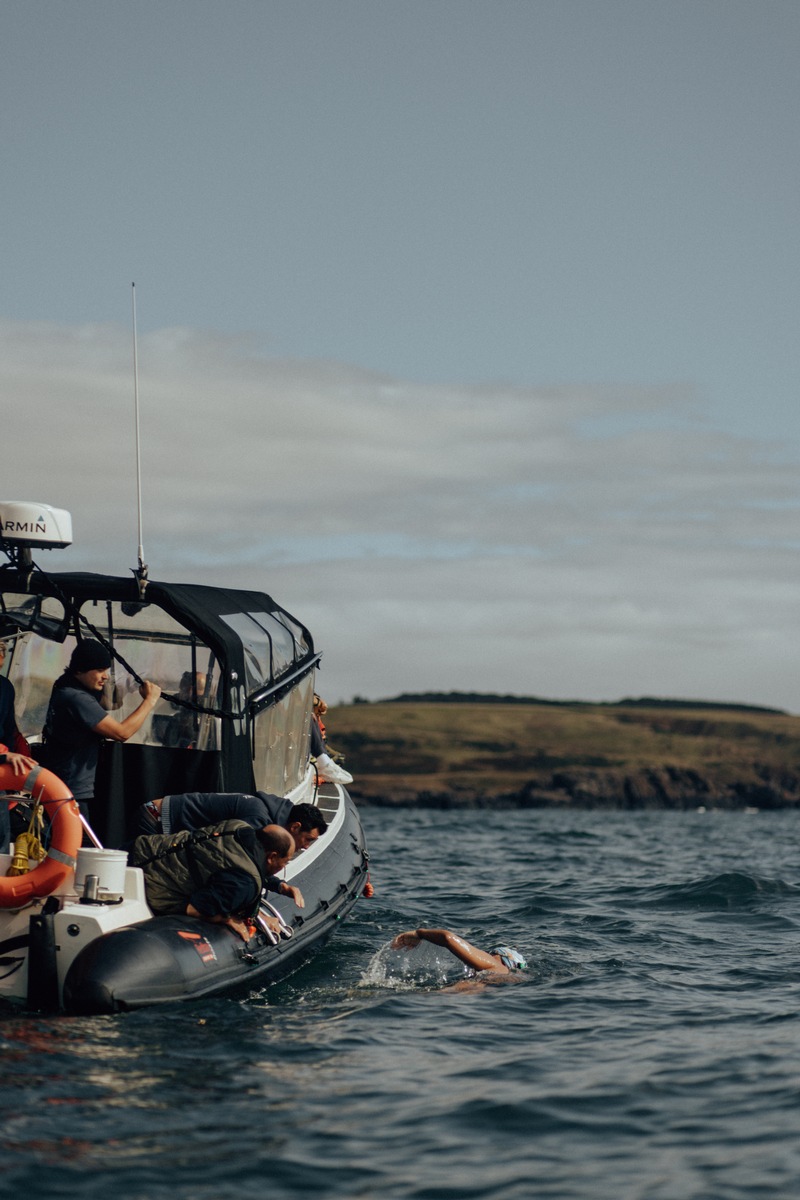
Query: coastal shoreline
x,y
654,789
447,752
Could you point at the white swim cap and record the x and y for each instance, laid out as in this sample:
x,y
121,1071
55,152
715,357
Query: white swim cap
x,y
510,958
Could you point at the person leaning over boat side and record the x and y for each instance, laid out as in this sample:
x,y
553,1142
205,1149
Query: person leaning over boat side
x,y
326,768
190,811
500,961
194,810
77,720
217,873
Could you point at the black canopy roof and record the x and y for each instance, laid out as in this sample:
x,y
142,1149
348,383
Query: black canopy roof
x,y
199,608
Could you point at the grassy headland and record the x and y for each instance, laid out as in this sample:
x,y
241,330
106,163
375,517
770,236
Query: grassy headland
x,y
474,751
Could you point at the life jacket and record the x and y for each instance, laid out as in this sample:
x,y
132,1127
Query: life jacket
x,y
177,864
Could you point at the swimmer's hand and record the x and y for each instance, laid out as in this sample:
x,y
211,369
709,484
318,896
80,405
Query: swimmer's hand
x,y
406,941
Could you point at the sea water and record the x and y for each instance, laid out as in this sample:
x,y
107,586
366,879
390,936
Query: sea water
x,y
651,1052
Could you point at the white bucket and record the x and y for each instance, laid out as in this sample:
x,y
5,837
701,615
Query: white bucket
x,y
109,867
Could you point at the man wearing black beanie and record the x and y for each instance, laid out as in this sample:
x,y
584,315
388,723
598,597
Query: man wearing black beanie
x,y
77,722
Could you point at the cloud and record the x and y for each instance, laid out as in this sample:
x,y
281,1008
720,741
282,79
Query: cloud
x,y
584,542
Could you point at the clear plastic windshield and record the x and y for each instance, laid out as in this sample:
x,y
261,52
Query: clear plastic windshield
x,y
272,643
281,736
149,643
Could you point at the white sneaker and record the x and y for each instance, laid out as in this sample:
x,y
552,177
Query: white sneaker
x,y
331,772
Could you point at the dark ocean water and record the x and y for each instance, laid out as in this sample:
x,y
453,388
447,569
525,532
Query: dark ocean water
x,y
652,1052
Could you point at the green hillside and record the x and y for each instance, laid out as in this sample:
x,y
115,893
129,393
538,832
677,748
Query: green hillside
x,y
454,750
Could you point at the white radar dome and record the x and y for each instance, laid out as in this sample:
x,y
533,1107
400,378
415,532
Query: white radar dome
x,y
27,523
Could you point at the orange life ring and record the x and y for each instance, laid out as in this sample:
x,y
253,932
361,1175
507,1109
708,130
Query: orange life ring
x,y
66,833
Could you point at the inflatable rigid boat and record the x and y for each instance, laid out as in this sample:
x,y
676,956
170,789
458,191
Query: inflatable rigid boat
x,y
237,674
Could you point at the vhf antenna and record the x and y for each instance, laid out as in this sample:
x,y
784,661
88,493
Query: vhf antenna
x,y
141,571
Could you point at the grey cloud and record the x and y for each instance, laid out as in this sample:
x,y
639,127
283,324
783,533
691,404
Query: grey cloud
x,y
570,542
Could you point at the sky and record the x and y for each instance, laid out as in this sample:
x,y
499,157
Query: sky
x,y
467,329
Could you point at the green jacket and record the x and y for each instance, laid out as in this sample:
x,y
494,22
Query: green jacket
x,y
176,864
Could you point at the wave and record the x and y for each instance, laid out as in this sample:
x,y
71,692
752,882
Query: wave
x,y
730,889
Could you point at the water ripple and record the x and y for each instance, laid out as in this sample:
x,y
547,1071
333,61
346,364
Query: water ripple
x,y
651,1052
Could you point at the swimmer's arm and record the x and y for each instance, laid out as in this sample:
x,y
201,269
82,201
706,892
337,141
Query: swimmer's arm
x,y
477,959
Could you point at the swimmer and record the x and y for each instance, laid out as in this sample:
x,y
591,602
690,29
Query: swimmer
x,y
500,961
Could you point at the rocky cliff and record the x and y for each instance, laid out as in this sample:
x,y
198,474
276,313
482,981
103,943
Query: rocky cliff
x,y
655,787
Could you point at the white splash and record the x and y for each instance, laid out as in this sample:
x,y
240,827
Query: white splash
x,y
425,966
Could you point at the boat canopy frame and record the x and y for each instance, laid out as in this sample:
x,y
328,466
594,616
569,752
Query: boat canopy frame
x,y
261,651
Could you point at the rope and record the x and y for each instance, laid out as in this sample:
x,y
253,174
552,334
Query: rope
x,y
29,845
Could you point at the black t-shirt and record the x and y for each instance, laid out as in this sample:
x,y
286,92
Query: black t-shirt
x,y
72,746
